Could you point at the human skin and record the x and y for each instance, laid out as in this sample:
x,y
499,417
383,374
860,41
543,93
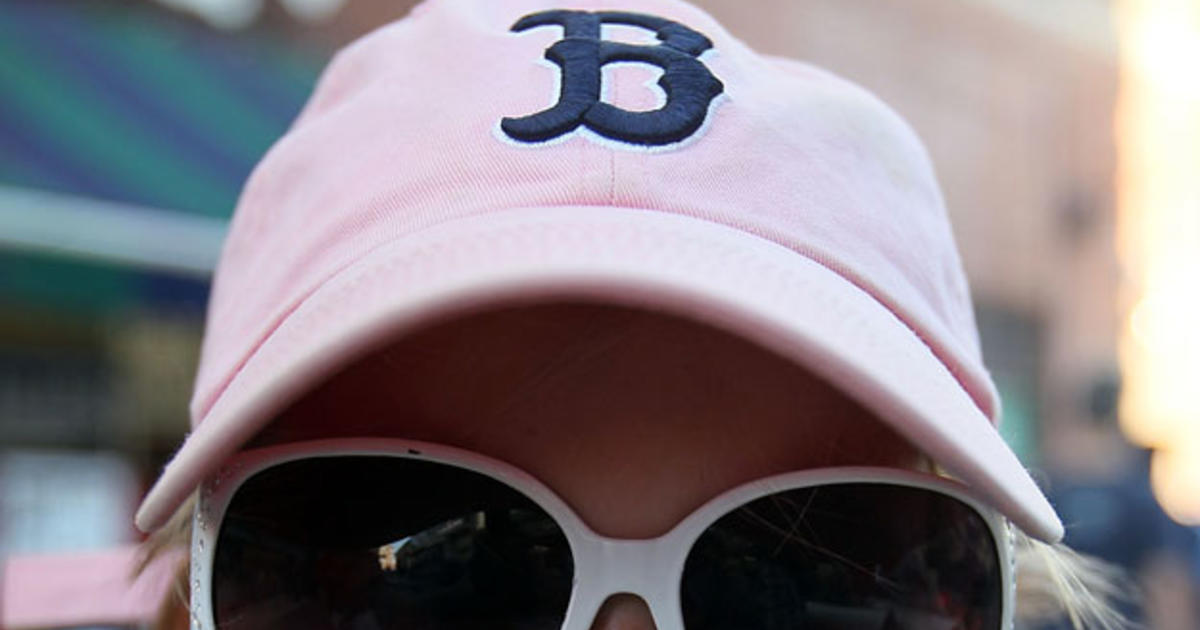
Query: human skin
x,y
632,417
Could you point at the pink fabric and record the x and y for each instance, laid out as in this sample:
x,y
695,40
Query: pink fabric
x,y
82,589
401,137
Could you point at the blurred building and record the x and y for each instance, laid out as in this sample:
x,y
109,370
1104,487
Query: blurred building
x,y
126,132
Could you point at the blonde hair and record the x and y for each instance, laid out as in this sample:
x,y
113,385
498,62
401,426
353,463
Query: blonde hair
x,y
1054,582
175,608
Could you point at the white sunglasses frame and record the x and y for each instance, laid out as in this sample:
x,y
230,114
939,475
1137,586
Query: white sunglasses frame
x,y
649,568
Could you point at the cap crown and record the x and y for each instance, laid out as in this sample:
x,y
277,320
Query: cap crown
x,y
413,125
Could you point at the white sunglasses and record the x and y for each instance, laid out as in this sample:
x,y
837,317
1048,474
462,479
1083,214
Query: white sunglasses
x,y
375,534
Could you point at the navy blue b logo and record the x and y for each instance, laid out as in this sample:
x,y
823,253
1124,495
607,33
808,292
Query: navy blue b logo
x,y
580,55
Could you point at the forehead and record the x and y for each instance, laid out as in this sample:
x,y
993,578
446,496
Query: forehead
x,y
605,404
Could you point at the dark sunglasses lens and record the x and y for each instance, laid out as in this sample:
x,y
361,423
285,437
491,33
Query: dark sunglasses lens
x,y
376,543
855,556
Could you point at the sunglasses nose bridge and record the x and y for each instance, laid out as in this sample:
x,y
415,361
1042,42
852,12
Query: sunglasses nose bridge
x,y
636,566
649,569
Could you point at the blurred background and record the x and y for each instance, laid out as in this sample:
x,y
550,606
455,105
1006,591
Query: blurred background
x,y
1066,134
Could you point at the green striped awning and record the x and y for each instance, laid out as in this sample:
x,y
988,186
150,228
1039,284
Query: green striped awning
x,y
127,103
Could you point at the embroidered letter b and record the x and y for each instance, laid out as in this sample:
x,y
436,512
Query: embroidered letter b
x,y
581,53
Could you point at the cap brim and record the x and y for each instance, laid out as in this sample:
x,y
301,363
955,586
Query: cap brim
x,y
713,273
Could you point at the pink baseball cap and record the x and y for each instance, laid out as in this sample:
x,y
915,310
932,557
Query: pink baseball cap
x,y
633,152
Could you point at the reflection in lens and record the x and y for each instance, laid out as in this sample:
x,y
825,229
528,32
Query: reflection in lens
x,y
383,543
855,556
